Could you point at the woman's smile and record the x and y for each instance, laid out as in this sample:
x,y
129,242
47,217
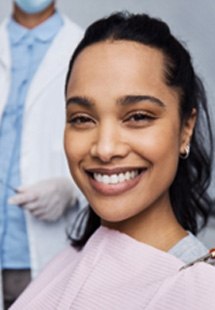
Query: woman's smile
x,y
114,181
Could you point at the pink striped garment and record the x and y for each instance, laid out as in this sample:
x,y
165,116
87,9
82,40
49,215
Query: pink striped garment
x,y
116,272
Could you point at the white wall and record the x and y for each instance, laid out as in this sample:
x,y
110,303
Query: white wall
x,y
192,21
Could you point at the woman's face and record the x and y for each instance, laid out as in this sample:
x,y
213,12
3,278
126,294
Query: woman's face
x,y
123,134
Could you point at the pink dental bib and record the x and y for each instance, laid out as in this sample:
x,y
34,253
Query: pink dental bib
x,y
114,271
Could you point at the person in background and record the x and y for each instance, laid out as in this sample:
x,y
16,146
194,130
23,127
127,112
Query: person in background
x,y
36,195
135,101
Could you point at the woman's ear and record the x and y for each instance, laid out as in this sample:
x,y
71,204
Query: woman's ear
x,y
187,132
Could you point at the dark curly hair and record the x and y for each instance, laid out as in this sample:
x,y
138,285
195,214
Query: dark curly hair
x,y
188,193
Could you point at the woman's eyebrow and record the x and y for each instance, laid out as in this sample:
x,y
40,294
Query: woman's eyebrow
x,y
131,99
82,101
125,100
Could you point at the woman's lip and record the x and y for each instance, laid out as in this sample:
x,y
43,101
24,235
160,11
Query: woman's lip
x,y
115,189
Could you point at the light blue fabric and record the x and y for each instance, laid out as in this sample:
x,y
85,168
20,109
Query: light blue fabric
x,y
28,48
188,249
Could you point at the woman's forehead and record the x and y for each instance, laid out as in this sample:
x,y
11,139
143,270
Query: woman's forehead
x,y
111,49
115,59
110,70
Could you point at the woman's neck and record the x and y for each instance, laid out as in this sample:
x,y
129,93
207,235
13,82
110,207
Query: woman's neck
x,y
158,228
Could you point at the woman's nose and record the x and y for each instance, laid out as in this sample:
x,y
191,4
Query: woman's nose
x,y
109,144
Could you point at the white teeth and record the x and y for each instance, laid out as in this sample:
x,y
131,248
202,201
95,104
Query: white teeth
x,y
127,175
99,177
132,174
105,179
115,178
121,177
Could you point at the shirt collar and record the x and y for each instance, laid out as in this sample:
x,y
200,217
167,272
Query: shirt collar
x,y
16,31
43,32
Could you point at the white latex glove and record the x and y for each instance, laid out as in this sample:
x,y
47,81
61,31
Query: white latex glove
x,y
47,200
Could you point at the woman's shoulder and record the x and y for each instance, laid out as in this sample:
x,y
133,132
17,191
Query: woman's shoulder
x,y
191,288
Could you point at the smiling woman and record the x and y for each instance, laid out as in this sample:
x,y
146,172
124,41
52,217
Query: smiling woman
x,y
139,146
131,134
134,100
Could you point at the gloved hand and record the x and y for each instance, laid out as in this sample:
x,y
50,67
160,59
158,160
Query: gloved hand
x,y
47,200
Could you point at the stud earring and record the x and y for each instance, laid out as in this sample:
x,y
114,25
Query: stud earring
x,y
186,153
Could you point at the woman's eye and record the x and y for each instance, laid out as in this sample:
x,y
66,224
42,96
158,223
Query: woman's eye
x,y
81,121
140,118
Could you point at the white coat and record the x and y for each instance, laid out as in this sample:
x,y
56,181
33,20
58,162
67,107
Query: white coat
x,y
42,153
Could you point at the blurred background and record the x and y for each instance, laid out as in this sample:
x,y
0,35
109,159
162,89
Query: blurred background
x,y
193,22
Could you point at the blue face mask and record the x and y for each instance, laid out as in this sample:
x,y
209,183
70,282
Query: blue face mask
x,y
33,6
